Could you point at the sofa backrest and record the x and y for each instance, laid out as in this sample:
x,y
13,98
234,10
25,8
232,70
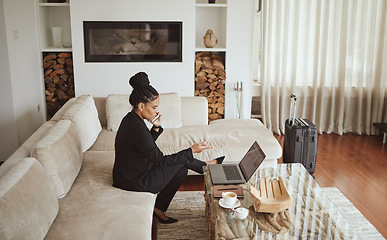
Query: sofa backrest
x,y
60,154
176,111
28,203
25,149
117,106
194,111
84,115
81,111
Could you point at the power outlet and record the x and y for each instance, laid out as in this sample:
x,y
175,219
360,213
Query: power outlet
x,y
38,107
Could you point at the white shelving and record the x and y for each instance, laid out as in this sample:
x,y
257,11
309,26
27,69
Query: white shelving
x,y
211,16
52,49
209,5
45,4
54,15
206,2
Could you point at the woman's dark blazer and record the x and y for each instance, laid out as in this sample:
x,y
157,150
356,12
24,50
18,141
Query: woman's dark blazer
x,y
139,163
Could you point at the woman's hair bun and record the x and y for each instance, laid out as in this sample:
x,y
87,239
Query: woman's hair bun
x,y
139,80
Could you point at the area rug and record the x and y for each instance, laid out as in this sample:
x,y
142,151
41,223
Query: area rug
x,y
363,228
189,208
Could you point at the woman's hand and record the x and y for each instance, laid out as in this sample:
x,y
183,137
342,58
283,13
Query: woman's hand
x,y
157,122
199,147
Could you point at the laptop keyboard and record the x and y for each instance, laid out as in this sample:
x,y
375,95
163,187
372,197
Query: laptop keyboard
x,y
231,172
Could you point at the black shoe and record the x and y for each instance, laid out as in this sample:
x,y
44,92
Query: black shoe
x,y
220,159
170,220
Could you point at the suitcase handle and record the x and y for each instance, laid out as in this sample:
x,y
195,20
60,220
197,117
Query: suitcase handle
x,y
303,122
293,99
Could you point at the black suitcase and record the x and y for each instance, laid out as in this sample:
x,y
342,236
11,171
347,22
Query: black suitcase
x,y
300,140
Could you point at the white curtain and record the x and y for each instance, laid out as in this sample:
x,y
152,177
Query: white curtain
x,y
332,54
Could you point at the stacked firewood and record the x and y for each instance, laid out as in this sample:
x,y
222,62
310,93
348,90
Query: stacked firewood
x,y
59,80
210,79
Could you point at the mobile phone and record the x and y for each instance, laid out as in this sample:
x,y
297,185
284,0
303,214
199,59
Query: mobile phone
x,y
157,117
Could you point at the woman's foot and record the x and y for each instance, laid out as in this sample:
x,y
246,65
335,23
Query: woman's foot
x,y
212,162
160,215
218,160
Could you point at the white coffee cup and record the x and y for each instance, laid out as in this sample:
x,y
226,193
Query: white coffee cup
x,y
242,213
229,198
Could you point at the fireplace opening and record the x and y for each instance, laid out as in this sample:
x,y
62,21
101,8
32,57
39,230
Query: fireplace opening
x,y
132,41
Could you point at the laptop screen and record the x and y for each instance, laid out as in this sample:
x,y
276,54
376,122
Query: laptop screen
x,y
251,161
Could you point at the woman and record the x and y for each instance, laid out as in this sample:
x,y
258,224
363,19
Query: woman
x,y
139,163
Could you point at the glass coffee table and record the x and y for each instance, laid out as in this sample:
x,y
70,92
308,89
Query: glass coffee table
x,y
311,216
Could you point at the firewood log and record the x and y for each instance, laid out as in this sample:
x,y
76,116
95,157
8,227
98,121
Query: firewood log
x,y
207,70
61,61
207,62
57,66
64,55
48,72
49,57
202,85
200,79
213,85
201,74
217,64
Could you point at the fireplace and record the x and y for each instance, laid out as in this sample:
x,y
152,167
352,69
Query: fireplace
x,y
132,41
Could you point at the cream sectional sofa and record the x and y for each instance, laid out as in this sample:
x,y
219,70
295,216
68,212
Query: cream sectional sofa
x,y
58,184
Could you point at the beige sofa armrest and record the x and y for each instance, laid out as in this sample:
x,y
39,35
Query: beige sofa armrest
x,y
194,111
28,204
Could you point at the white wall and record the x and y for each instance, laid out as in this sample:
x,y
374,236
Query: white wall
x,y
8,136
102,79
25,68
21,87
240,22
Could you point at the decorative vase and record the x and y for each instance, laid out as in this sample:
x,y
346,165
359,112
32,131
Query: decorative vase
x,y
210,39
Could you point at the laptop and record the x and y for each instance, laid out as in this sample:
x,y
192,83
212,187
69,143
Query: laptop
x,y
238,173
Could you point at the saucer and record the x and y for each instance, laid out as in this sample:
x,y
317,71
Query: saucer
x,y
221,203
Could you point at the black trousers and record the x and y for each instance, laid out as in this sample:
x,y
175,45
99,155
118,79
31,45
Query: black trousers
x,y
177,173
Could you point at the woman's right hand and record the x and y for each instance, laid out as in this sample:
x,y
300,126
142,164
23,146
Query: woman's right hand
x,y
199,147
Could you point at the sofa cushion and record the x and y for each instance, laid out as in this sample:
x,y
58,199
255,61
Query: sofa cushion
x,y
84,115
58,115
28,203
194,111
117,106
170,109
60,154
25,149
94,209
230,137
251,130
105,141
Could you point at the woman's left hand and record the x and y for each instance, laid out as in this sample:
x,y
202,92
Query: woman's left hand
x,y
199,147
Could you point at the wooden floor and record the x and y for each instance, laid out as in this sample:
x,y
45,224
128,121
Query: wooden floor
x,y
356,165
